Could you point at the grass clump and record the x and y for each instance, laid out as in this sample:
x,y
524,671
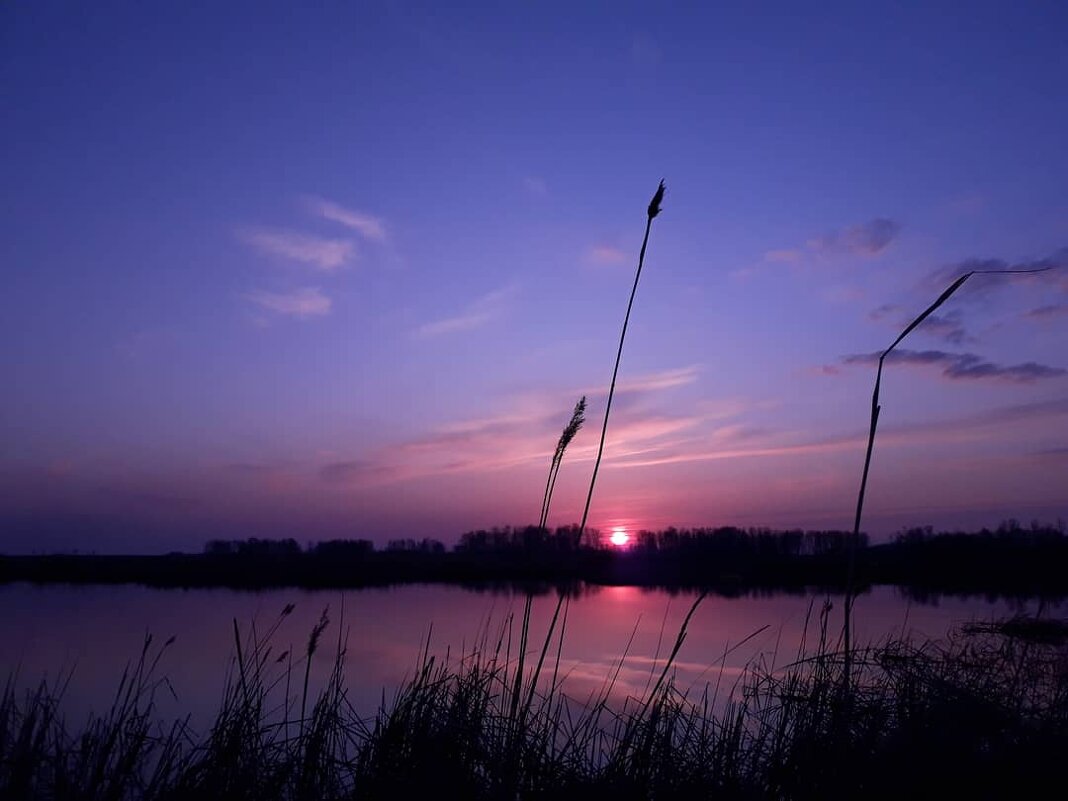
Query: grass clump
x,y
978,715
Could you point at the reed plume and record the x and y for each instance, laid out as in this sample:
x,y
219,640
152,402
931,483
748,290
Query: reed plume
x,y
578,417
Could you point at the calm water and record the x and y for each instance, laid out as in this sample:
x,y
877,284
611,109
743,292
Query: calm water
x,y
48,630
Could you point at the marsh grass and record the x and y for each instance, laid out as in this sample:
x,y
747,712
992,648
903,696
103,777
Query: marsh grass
x,y
977,715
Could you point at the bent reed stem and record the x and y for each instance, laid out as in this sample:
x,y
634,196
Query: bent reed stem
x,y
875,410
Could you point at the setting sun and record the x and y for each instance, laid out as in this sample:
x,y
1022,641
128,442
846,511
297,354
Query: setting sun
x,y
619,537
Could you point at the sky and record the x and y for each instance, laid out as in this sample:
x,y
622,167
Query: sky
x,y
269,270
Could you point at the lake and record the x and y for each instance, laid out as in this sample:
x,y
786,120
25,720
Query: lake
x,y
92,632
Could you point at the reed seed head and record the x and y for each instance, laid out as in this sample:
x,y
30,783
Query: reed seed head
x,y
316,633
578,417
654,204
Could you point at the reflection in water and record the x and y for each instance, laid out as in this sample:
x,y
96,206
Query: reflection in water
x,y
626,632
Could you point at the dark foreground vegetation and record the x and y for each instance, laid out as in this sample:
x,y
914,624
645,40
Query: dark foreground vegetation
x,y
1012,559
982,715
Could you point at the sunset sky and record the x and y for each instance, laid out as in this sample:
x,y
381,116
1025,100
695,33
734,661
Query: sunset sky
x,y
343,272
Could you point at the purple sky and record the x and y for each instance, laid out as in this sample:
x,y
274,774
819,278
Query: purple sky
x,y
273,271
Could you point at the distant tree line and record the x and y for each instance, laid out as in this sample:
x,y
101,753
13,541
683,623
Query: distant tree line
x,y
1011,558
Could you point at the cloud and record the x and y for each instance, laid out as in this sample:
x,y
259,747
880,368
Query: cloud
x,y
925,432
962,366
605,254
304,302
825,370
842,294
357,471
1056,265
479,312
1048,312
883,311
662,379
323,254
370,228
278,477
966,205
786,256
947,327
864,239
1053,453
523,433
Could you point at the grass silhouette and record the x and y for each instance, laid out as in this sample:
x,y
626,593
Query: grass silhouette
x,y
578,417
984,714
651,214
873,425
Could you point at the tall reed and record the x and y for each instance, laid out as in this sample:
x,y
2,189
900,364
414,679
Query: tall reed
x,y
651,213
874,422
518,715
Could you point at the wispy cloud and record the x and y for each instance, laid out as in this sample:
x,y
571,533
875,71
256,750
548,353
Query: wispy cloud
x,y
1059,454
985,424
323,254
304,302
1056,266
966,205
358,471
784,256
1048,312
276,477
882,312
523,432
605,255
947,327
369,227
662,379
479,312
962,366
864,239
867,239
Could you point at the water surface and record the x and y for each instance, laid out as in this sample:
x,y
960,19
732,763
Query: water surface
x,y
48,631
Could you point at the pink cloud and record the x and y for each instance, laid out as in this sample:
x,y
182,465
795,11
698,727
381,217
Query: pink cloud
x,y
786,256
369,227
323,254
304,302
606,255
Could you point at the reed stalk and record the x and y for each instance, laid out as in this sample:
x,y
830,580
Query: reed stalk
x,y
873,425
651,213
